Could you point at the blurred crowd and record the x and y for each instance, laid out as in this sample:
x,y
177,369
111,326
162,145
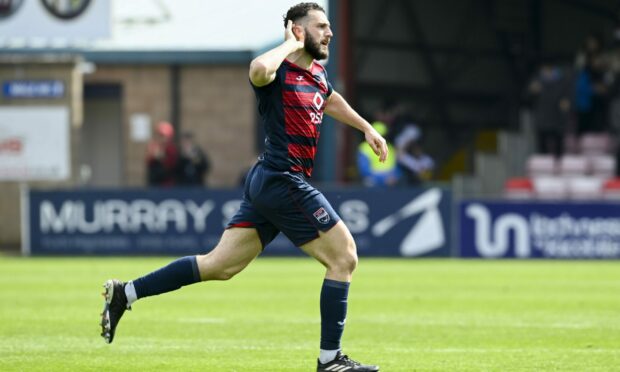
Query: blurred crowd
x,y
171,163
408,164
568,102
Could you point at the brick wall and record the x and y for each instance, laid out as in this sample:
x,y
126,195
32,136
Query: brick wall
x,y
218,106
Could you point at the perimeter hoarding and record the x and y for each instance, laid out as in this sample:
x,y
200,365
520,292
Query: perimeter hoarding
x,y
563,230
401,222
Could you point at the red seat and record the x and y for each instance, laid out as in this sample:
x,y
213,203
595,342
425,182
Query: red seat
x,y
611,189
519,188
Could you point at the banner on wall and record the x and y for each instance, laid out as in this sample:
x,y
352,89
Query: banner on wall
x,y
403,222
539,230
34,143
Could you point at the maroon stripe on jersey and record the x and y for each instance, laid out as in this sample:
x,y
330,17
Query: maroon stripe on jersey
x,y
299,168
298,78
298,123
243,224
301,151
302,99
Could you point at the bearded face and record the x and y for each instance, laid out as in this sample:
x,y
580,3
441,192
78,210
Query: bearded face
x,y
316,48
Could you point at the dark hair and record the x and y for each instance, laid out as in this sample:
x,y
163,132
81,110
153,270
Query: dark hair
x,y
300,10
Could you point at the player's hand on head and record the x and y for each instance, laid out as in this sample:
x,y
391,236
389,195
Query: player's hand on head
x,y
297,35
377,143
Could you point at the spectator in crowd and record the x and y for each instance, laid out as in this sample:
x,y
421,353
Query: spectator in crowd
x,y
193,164
591,89
550,92
592,47
162,157
371,170
612,62
417,166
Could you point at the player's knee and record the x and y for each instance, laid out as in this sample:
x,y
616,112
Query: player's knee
x,y
346,262
351,262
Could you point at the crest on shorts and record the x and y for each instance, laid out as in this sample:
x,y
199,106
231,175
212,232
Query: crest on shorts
x,y
321,215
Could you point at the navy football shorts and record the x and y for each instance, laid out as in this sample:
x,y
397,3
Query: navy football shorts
x,y
275,201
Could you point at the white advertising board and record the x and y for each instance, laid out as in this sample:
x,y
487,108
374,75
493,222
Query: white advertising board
x,y
34,143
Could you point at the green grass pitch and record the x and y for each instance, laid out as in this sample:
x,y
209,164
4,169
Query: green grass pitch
x,y
405,315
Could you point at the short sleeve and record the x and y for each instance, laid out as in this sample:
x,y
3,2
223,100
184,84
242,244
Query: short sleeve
x,y
265,88
330,89
265,93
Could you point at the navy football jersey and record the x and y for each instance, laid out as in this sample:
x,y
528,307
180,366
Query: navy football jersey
x,y
291,110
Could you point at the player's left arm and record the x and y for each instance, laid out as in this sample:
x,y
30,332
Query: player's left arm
x,y
338,108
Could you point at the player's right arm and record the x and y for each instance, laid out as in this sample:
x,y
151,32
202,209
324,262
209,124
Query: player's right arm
x,y
340,110
263,68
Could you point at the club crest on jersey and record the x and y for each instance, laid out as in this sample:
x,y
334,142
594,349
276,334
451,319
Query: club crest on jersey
x,y
318,100
321,215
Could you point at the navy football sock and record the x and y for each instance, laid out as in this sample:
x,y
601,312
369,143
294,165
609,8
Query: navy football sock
x,y
177,274
333,313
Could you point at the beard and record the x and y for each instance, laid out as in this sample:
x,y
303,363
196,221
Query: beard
x,y
313,47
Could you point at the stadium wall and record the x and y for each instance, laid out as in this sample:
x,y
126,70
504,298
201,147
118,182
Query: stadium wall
x,y
216,104
50,68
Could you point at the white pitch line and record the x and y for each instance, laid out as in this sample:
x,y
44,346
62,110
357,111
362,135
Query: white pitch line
x,y
202,320
512,350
